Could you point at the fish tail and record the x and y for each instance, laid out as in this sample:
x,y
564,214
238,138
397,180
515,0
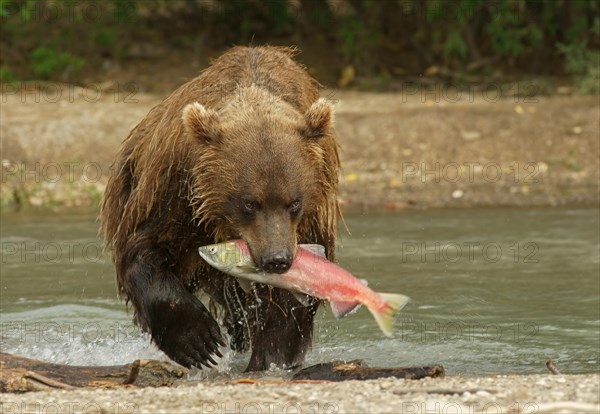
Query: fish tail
x,y
385,318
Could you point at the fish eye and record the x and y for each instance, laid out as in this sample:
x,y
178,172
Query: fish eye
x,y
212,250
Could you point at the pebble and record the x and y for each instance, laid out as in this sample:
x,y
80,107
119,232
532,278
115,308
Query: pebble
x,y
351,177
457,194
386,385
470,135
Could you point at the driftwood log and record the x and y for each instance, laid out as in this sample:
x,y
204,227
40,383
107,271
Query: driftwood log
x,y
357,370
19,374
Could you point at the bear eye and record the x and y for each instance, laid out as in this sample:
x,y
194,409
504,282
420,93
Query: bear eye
x,y
295,206
250,206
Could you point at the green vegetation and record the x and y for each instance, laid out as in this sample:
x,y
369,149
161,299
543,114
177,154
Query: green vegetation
x,y
47,62
6,75
584,65
61,39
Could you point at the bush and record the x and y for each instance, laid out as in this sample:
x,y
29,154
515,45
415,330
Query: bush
x,y
584,65
47,62
6,75
375,37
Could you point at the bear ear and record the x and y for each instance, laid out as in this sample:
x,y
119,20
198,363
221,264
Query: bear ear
x,y
201,122
318,119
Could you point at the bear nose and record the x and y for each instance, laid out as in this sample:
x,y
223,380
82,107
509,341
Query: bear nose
x,y
276,262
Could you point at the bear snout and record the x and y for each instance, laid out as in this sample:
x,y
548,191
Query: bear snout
x,y
276,261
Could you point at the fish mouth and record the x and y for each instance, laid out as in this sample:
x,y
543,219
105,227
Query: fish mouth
x,y
224,257
203,252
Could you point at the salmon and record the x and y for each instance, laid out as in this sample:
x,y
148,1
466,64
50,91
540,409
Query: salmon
x,y
310,274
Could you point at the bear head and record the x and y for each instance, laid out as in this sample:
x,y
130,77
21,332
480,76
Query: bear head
x,y
259,171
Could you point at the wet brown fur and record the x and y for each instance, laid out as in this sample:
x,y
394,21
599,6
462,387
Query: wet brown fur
x,y
169,190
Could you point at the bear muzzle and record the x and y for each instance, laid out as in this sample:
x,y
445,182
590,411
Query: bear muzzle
x,y
276,261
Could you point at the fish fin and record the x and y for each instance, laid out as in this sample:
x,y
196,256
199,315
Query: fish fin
x,y
302,298
364,282
385,318
341,309
246,285
315,249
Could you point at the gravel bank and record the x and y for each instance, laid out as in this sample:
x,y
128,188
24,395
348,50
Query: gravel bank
x,y
495,394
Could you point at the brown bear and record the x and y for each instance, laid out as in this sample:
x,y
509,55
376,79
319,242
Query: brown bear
x,y
245,150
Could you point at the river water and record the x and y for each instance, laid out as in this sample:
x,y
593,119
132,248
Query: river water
x,y
493,291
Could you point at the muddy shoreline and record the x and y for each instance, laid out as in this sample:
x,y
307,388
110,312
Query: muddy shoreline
x,y
398,150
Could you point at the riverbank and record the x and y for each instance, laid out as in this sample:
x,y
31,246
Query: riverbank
x,y
412,149
499,394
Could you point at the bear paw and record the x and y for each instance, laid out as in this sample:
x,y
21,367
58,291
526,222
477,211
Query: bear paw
x,y
191,338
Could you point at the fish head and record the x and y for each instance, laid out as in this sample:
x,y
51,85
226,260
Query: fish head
x,y
227,257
